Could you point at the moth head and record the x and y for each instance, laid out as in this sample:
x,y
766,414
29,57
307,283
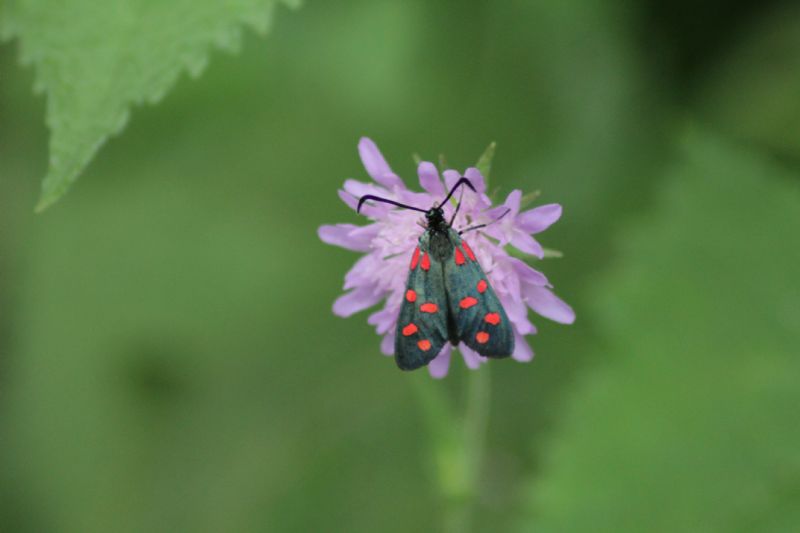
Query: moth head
x,y
434,214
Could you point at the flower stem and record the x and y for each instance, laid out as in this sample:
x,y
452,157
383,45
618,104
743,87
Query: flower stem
x,y
458,444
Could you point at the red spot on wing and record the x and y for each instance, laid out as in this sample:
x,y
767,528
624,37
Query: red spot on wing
x,y
482,337
492,318
411,296
424,345
467,302
429,307
459,257
482,286
468,250
414,259
409,330
426,262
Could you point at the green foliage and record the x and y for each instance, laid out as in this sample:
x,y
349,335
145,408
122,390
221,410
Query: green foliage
x,y
484,164
689,420
170,361
94,60
753,93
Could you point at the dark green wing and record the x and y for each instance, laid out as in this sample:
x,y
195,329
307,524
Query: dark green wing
x,y
478,316
422,325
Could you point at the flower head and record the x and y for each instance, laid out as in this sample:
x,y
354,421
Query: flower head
x,y
388,241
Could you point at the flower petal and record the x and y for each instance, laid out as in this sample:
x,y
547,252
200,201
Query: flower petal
x,y
429,179
349,199
496,231
384,320
387,343
518,314
543,301
376,165
350,236
476,178
538,219
471,358
359,189
373,211
515,309
355,301
528,274
450,178
500,221
472,202
495,213
441,364
361,273
525,243
422,200
512,202
522,350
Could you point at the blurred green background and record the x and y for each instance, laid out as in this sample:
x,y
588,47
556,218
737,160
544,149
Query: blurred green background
x,y
168,356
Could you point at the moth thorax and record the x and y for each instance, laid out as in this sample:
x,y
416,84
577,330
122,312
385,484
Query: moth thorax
x,y
440,246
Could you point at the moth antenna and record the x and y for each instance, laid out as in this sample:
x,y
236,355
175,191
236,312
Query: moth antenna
x,y
462,181
471,228
386,201
458,206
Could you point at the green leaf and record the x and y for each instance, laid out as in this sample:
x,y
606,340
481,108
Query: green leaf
x,y
753,93
690,423
94,60
528,199
549,253
443,163
484,164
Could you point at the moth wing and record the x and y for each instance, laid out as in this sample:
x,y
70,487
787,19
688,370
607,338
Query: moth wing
x,y
477,314
422,324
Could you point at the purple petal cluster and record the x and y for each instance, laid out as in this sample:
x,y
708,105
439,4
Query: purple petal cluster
x,y
388,241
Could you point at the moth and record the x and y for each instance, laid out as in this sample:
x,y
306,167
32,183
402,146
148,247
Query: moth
x,y
448,296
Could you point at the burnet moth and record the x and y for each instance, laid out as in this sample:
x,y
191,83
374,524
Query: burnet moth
x,y
448,297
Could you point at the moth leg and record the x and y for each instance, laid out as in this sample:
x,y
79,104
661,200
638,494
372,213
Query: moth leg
x,y
479,226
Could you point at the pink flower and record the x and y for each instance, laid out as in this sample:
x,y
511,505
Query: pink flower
x,y
388,241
